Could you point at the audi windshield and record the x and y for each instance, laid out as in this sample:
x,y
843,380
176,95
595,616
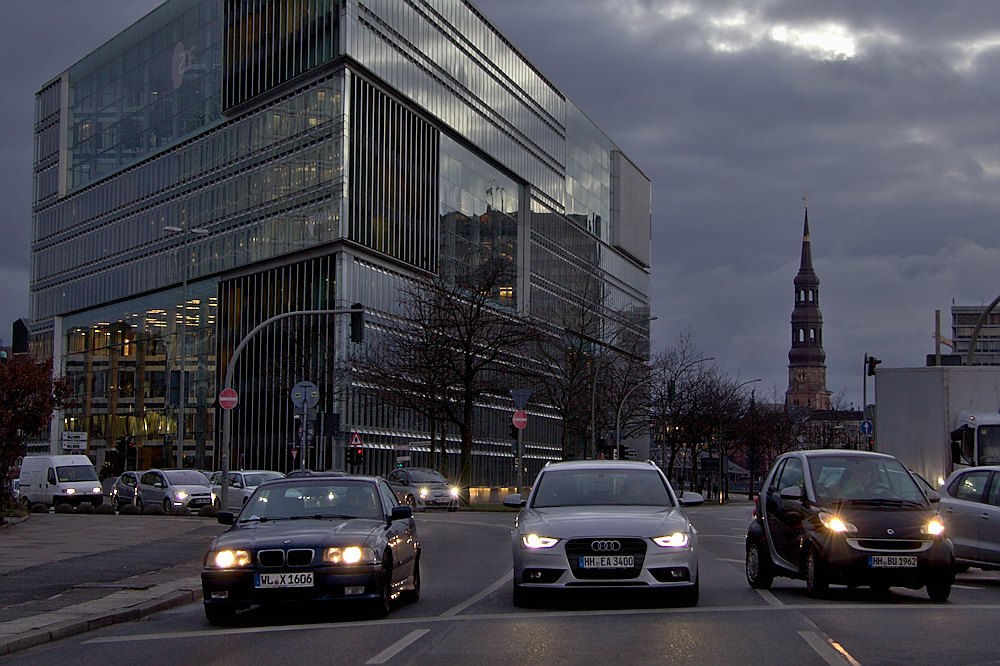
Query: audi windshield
x,y
601,487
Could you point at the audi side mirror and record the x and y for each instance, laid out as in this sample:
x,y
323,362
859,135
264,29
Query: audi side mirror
x,y
691,499
514,501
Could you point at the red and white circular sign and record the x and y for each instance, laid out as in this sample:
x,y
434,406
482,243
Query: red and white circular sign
x,y
520,419
228,398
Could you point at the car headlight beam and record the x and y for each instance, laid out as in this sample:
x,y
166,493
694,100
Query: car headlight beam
x,y
675,540
226,559
935,527
348,555
836,524
536,541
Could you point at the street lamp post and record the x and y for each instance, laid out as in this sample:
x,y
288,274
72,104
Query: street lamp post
x,y
593,393
724,473
182,397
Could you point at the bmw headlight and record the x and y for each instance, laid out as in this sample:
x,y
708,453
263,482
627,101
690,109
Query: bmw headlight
x,y
225,559
348,555
835,524
935,527
535,541
675,540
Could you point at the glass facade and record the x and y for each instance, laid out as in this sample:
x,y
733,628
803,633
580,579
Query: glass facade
x,y
332,151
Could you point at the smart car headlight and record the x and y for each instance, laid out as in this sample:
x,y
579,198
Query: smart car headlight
x,y
934,527
836,524
225,559
535,541
348,555
675,540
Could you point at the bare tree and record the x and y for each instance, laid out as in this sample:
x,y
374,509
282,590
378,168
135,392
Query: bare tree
x,y
452,347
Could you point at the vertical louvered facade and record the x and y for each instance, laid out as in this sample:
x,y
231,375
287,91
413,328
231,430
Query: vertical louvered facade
x,y
332,151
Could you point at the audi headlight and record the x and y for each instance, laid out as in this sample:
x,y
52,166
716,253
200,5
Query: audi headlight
x,y
835,524
348,555
225,559
535,541
675,540
934,528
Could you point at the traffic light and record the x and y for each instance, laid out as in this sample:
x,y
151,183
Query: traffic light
x,y
358,323
872,362
621,452
513,432
349,456
359,455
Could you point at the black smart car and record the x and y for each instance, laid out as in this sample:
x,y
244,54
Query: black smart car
x,y
314,538
847,517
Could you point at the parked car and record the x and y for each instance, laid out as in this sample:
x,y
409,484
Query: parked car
x,y
356,544
604,524
124,489
848,517
423,488
172,488
241,487
55,480
970,506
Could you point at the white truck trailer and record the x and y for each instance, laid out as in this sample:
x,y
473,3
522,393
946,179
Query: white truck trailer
x,y
938,418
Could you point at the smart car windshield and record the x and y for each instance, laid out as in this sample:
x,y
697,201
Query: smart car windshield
x,y
313,498
860,479
601,487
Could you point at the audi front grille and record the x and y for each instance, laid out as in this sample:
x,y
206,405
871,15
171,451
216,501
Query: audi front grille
x,y
577,548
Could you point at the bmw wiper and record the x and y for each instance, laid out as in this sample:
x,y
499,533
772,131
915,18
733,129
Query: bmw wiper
x,y
263,520
324,516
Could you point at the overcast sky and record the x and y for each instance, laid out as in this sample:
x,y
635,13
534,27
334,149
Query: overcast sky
x,y
885,113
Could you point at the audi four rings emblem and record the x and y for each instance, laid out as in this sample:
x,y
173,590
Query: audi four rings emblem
x,y
605,546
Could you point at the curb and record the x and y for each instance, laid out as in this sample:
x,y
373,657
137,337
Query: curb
x,y
67,628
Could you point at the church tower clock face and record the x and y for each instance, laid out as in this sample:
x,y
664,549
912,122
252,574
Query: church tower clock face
x,y
801,375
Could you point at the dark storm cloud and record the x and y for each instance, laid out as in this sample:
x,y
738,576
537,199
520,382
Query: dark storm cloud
x,y
884,112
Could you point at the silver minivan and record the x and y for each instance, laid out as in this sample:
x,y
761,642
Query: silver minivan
x,y
172,488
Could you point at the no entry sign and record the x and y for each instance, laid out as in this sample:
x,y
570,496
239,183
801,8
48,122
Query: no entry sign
x,y
520,419
228,398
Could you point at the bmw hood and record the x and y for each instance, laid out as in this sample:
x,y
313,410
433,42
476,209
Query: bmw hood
x,y
638,521
306,532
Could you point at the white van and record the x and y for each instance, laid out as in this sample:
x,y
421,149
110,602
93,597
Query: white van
x,y
55,480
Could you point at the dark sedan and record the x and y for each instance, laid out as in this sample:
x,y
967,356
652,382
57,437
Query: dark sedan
x,y
848,517
318,538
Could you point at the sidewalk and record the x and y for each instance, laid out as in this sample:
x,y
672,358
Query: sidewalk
x,y
29,546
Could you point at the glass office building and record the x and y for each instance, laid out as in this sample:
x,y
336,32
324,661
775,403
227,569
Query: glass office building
x,y
220,162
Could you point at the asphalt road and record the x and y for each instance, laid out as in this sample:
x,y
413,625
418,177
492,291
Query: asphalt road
x,y
465,616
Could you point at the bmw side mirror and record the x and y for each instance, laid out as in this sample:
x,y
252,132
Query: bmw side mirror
x,y
514,501
401,513
691,499
225,517
933,496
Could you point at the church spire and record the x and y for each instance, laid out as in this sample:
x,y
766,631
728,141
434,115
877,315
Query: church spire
x,y
806,359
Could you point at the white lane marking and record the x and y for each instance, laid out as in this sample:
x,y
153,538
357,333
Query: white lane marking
x,y
455,610
831,654
495,617
397,647
770,598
